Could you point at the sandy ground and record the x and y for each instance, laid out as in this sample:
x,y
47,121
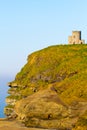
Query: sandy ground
x,y
14,125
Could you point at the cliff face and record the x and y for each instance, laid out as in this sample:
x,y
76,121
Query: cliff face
x,y
50,91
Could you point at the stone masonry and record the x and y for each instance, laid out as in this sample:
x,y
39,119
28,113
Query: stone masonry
x,y
75,38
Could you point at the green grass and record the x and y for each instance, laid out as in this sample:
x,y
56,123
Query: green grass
x,y
65,64
62,66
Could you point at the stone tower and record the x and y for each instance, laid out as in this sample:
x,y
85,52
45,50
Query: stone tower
x,y
75,38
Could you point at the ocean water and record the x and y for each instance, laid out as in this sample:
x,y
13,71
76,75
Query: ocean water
x,y
3,94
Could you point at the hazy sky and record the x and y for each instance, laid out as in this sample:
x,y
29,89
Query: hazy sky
x,y
29,25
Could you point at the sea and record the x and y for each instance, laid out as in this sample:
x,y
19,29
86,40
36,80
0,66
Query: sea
x,y
3,94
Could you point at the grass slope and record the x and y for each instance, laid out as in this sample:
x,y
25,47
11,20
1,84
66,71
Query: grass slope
x,y
64,67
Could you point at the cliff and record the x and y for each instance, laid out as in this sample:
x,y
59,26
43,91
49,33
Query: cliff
x,y
50,91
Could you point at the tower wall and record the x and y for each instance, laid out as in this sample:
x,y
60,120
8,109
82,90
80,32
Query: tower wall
x,y
70,40
75,38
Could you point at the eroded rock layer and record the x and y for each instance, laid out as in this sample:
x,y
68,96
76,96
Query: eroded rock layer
x,y
50,91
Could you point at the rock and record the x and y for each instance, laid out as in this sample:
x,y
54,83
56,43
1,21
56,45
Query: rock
x,y
10,101
50,91
12,84
44,109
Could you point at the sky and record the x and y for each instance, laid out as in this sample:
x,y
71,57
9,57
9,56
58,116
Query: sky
x,y
30,25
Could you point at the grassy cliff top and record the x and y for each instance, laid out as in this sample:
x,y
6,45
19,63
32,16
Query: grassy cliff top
x,y
61,68
65,66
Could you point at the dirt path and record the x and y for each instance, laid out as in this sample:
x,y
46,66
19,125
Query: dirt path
x,y
14,125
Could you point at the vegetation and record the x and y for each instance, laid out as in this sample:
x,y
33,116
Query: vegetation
x,y
63,67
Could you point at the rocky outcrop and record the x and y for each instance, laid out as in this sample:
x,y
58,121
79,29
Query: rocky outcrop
x,y
11,100
12,84
44,109
50,91
47,110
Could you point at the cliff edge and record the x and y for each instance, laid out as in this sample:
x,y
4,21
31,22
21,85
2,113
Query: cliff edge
x,y
50,91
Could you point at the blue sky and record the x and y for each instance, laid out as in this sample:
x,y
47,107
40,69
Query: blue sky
x,y
30,25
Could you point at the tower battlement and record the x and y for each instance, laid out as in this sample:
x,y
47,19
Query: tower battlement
x,y
75,38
